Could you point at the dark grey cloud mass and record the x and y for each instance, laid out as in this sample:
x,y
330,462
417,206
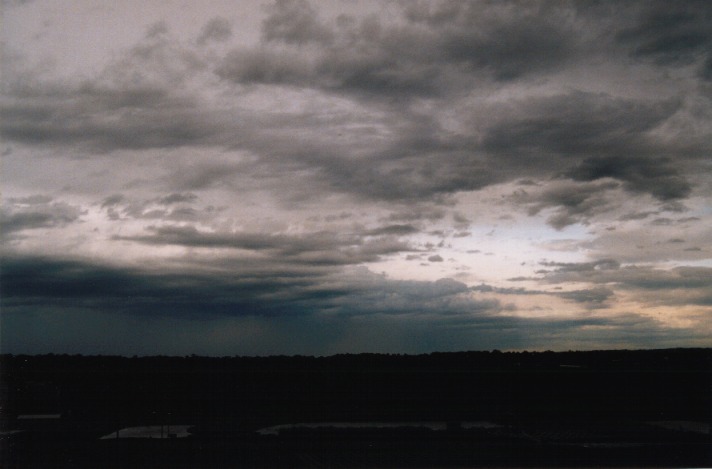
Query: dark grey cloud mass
x,y
86,292
578,135
436,46
257,288
581,136
572,203
260,165
35,212
670,36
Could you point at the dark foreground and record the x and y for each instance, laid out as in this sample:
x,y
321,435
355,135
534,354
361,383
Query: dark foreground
x,y
475,409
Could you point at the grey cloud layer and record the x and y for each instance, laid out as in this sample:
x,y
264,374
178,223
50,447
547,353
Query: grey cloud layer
x,y
266,173
433,47
671,36
678,286
349,311
230,287
438,51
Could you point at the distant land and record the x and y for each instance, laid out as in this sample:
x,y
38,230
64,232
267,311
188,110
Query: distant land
x,y
464,409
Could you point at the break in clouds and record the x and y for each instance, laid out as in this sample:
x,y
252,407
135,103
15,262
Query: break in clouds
x,y
296,177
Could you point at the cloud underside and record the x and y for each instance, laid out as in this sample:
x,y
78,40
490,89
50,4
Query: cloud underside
x,y
301,307
578,137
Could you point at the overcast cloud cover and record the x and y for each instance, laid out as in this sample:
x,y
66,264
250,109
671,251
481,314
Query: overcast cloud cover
x,y
290,177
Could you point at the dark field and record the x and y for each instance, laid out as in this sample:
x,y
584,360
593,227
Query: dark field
x,y
541,409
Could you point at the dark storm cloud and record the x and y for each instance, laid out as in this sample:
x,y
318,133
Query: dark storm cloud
x,y
706,69
670,33
249,289
423,175
656,176
575,124
70,283
531,37
595,136
437,315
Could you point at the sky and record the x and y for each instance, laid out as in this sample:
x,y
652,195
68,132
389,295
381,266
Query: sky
x,y
293,177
